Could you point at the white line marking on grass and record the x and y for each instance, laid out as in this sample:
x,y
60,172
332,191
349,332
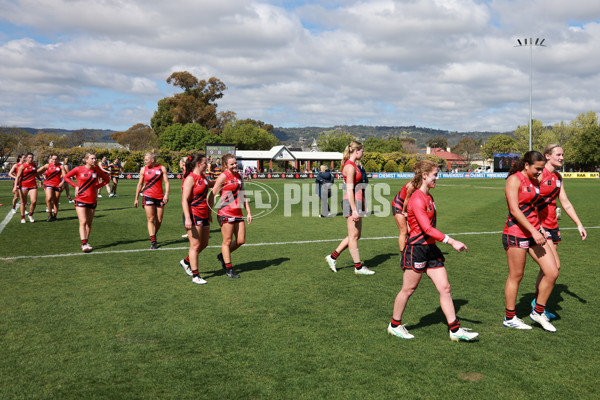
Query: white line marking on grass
x,y
6,220
245,245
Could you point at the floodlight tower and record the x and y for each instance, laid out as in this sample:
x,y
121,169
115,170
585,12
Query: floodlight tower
x,y
539,43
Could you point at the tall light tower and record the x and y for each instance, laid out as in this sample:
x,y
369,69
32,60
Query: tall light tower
x,y
539,43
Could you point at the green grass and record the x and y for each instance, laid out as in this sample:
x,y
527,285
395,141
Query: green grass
x,y
131,325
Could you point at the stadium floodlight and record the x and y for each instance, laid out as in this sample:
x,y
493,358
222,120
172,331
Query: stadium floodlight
x,y
538,43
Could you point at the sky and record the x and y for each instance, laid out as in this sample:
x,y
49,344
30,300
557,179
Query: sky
x,y
444,64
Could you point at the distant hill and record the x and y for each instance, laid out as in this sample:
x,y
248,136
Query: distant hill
x,y
300,136
102,135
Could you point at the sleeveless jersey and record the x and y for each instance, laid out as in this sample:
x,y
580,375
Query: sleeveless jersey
x,y
153,182
28,176
529,196
398,202
422,219
230,201
17,166
549,191
358,194
198,204
87,182
114,170
52,175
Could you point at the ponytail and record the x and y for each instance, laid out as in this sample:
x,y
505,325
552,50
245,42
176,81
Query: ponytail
x,y
191,161
530,157
422,167
351,148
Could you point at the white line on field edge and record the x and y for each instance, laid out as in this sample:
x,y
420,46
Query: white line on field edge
x,y
245,245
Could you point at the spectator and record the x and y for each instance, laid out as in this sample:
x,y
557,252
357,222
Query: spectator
x,y
324,181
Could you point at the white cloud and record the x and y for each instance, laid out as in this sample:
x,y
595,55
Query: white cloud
x,y
448,64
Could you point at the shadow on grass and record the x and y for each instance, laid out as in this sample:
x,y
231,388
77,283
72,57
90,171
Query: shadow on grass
x,y
557,296
438,317
249,266
116,209
372,263
120,242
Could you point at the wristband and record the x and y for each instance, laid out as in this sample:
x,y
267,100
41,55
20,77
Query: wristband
x,y
446,238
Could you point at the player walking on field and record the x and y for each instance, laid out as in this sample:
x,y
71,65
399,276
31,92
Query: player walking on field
x,y
66,169
399,212
196,202
551,187
115,171
13,175
523,234
104,166
422,256
25,184
353,207
152,179
86,193
230,186
53,184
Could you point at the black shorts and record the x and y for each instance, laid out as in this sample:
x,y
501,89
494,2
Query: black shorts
x,y
420,257
85,205
150,201
553,234
197,220
515,241
53,188
224,219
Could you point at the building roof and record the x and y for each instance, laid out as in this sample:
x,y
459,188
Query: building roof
x,y
446,155
282,153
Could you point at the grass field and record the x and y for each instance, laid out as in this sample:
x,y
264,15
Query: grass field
x,y
125,322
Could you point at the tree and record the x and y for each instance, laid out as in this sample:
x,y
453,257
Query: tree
x,y
139,137
8,147
540,137
499,144
77,138
197,104
189,137
334,141
586,150
467,148
390,166
248,135
371,166
162,118
438,141
388,145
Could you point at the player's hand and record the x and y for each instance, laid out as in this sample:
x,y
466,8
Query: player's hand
x,y
582,232
135,203
188,224
249,218
165,199
539,238
355,216
458,246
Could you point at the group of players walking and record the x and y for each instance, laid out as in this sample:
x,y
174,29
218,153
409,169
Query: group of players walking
x,y
531,190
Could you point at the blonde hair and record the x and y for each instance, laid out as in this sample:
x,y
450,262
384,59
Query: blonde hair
x,y
351,148
422,167
152,155
550,148
323,168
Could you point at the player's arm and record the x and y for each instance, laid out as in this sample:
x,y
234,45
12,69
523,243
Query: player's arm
x,y
570,210
247,206
409,191
139,186
167,185
18,178
68,175
219,182
186,196
12,172
511,190
418,206
350,172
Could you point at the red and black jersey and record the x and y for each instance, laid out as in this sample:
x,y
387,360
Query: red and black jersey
x,y
422,219
230,195
358,193
153,182
87,183
52,175
529,196
398,202
550,186
198,204
28,176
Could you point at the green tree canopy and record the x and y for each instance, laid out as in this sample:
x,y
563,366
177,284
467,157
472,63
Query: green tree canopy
x,y
334,141
388,145
187,137
499,144
438,141
248,135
